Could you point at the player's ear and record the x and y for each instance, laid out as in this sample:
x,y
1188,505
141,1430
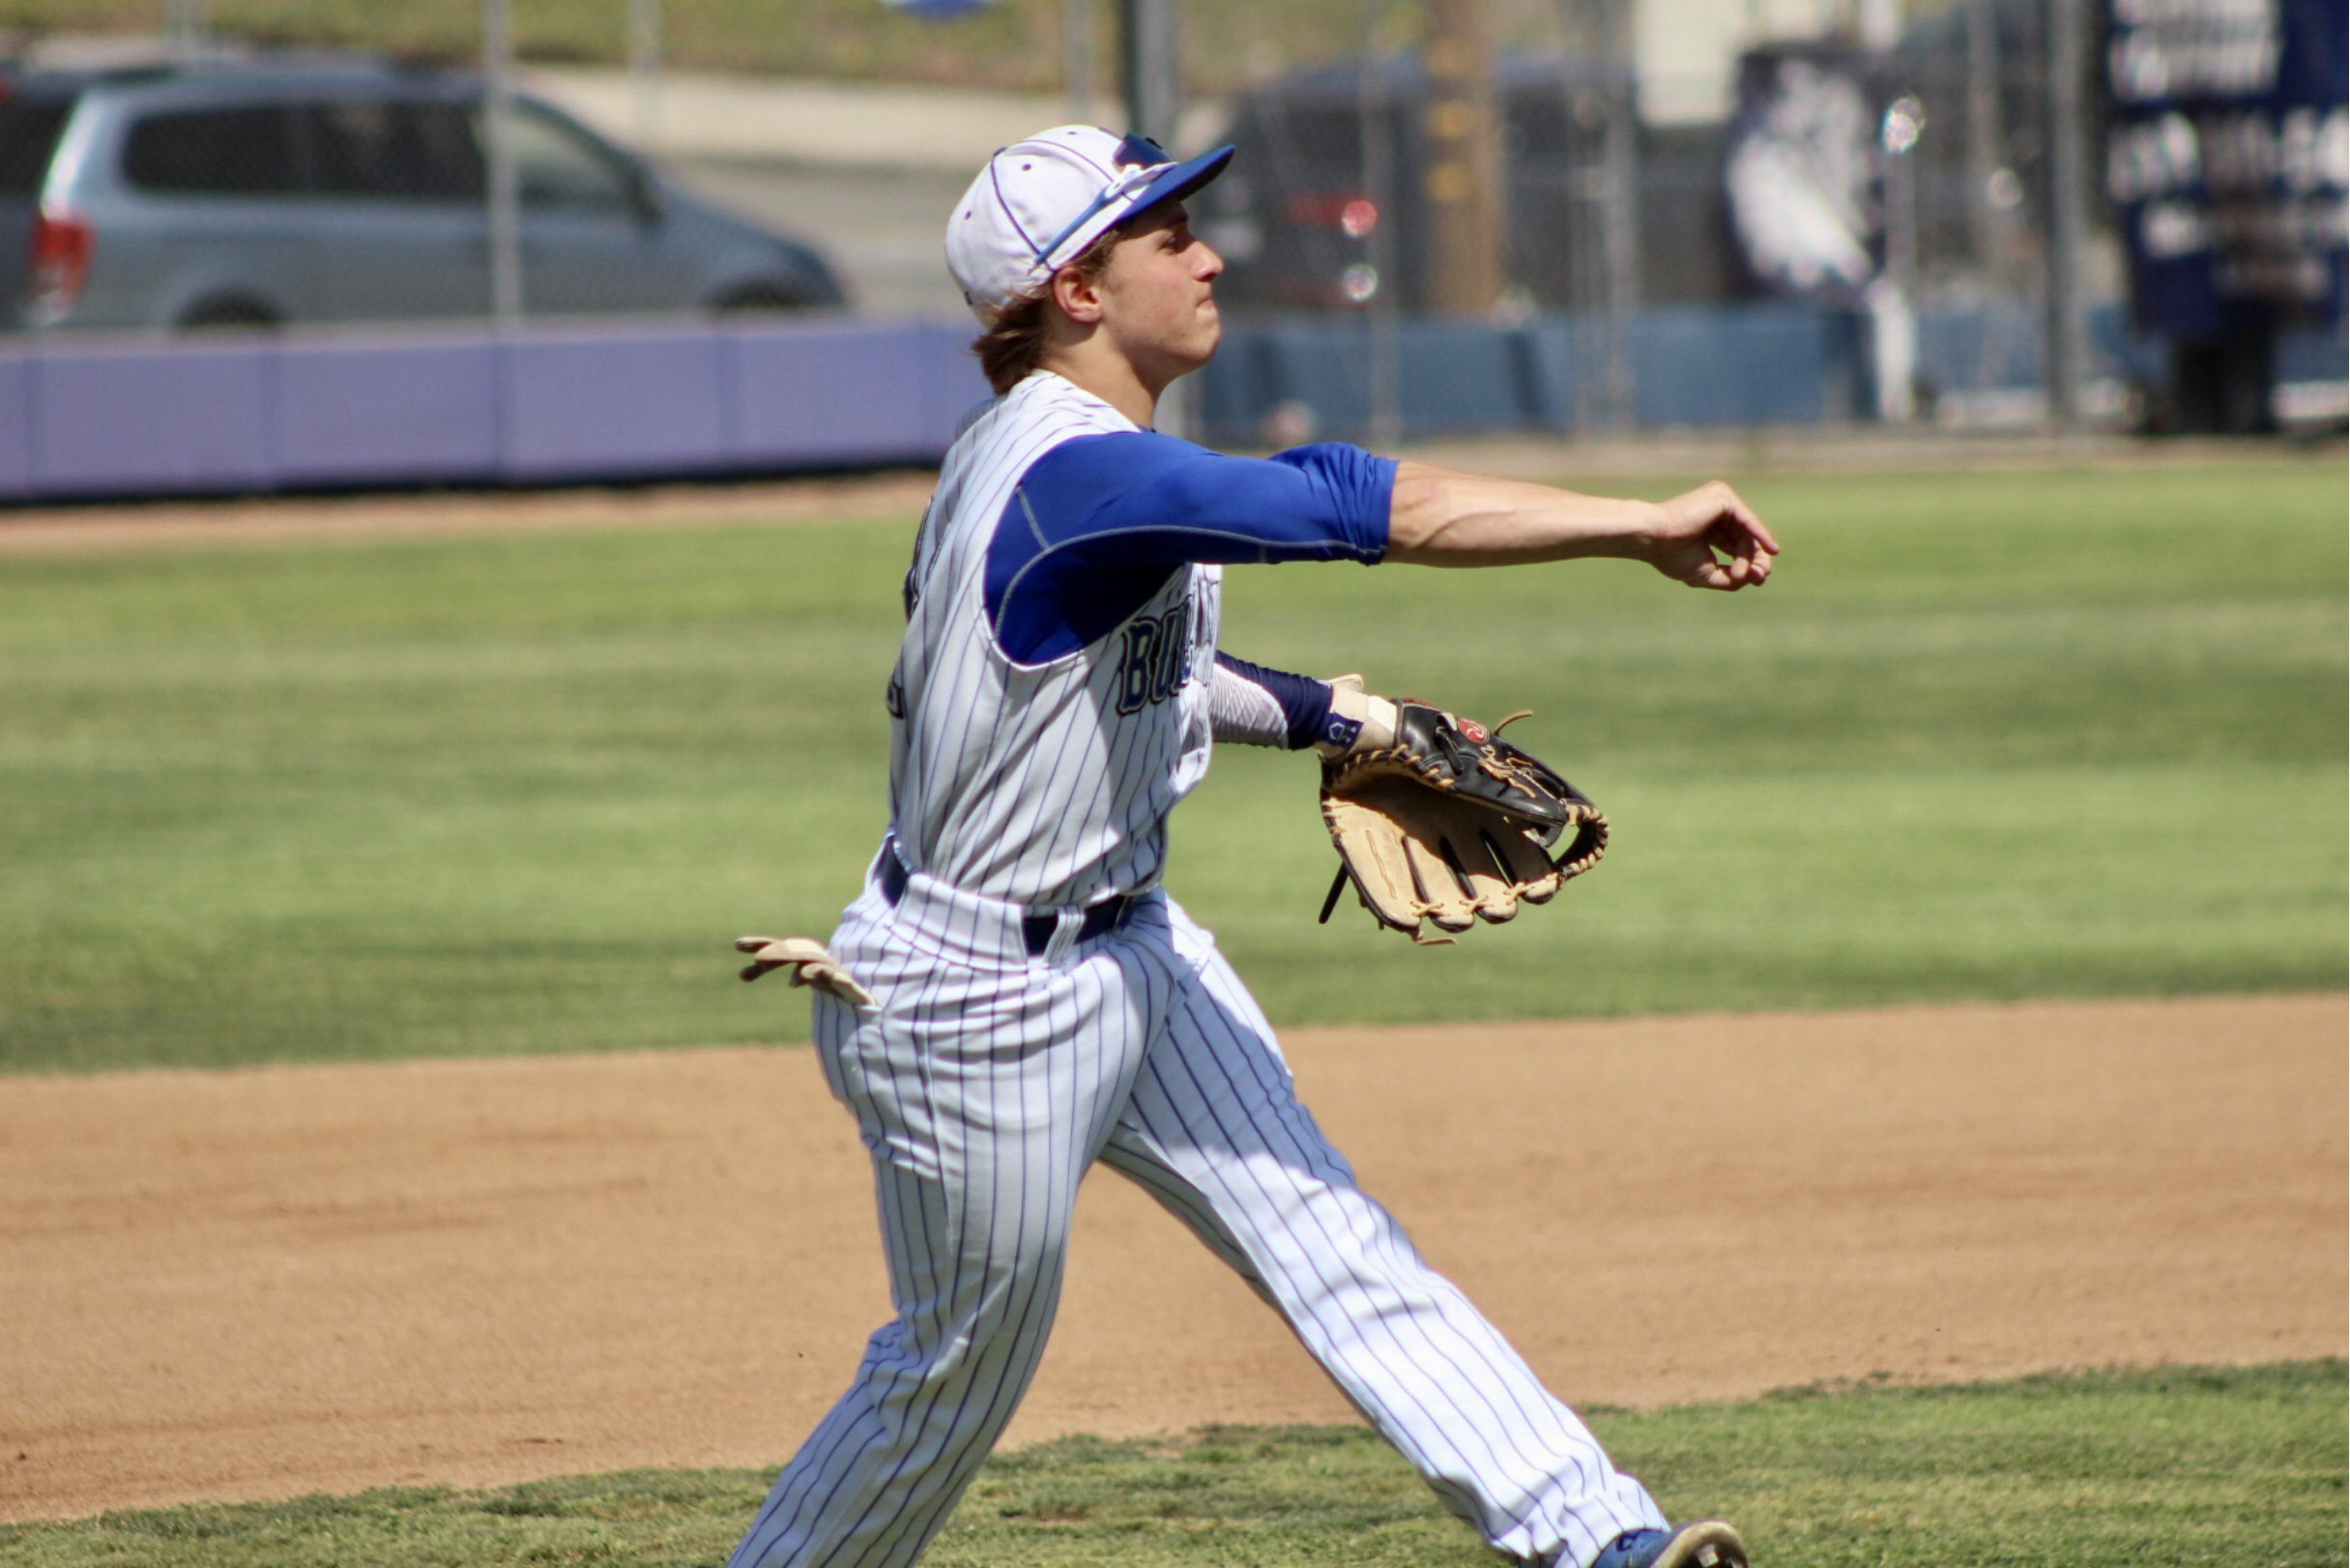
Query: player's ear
x,y
1077,291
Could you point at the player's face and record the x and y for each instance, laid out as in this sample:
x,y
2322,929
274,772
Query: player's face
x,y
1158,294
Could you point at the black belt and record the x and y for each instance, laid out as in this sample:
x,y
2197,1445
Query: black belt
x,y
1035,929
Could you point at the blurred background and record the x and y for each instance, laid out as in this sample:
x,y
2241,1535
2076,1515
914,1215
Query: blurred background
x,y
253,244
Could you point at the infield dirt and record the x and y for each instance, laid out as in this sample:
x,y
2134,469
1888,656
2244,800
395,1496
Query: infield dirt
x,y
263,1283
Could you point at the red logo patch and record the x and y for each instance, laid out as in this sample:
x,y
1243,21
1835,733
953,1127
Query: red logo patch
x,y
1474,731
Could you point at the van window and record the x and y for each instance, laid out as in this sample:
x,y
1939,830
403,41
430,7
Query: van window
x,y
555,167
212,151
397,152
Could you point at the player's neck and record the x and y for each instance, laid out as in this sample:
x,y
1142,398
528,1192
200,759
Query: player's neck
x,y
1109,376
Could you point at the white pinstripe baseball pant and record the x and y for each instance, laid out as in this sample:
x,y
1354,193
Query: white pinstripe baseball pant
x,y
985,1086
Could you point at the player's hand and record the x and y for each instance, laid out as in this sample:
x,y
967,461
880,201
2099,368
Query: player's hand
x,y
1708,538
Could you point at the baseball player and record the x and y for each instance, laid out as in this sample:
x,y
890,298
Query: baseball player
x,y
1014,998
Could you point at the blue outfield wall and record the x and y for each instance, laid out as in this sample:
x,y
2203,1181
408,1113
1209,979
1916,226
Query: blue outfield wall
x,y
569,404
1729,367
1698,367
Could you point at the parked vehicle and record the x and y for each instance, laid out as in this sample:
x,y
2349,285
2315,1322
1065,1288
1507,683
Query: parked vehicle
x,y
258,193
1299,210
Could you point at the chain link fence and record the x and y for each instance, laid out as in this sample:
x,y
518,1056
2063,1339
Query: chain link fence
x,y
1905,184
1608,177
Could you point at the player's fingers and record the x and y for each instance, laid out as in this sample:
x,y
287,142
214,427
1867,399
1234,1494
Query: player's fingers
x,y
1740,522
1743,522
1752,534
1744,557
1697,564
1731,575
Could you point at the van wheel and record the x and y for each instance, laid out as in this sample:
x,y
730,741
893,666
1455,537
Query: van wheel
x,y
228,315
757,300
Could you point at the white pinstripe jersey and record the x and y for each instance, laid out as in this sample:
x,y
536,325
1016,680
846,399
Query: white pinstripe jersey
x,y
1046,784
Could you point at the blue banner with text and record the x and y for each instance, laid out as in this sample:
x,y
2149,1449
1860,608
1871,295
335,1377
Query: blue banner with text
x,y
2228,160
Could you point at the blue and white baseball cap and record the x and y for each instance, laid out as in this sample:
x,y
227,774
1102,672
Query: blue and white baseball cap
x,y
1042,200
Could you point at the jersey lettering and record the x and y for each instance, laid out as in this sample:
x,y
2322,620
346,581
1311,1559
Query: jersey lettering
x,y
1153,656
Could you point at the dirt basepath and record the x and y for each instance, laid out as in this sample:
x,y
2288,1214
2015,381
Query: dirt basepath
x,y
259,1284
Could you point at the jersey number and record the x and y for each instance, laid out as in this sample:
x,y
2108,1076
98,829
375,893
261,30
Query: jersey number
x,y
1151,660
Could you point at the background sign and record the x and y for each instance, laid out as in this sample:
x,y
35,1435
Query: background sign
x,y
2228,159
1802,172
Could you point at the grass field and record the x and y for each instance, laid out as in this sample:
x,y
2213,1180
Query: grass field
x,y
2176,1469
1987,735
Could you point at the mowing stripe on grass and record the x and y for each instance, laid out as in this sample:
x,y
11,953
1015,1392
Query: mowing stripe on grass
x,y
517,794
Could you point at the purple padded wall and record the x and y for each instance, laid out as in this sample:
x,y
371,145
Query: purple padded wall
x,y
196,416
385,412
122,421
594,405
840,394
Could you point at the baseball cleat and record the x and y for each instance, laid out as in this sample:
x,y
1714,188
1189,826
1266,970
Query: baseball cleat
x,y
1708,1543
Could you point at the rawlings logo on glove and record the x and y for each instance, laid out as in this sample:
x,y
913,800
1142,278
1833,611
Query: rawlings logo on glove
x,y
1439,819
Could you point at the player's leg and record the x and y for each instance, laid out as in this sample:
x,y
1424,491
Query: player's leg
x,y
1216,1133
984,1097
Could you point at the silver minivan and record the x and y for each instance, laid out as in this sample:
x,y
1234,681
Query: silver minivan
x,y
259,193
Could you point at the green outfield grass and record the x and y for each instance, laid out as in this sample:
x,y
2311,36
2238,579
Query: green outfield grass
x,y
2176,1469
1987,735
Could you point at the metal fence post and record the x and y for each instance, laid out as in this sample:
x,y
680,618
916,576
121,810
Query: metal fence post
x,y
504,232
1601,240
1148,43
1077,56
183,24
2068,134
1378,113
645,67
1154,104
1619,220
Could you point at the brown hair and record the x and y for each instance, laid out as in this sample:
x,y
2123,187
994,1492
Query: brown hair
x,y
1013,344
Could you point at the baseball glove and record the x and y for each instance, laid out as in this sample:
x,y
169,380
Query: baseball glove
x,y
1441,820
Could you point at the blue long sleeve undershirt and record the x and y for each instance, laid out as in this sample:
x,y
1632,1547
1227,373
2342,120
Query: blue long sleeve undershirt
x,y
1098,524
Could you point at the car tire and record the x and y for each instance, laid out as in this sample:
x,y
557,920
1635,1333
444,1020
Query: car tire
x,y
758,300
227,315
